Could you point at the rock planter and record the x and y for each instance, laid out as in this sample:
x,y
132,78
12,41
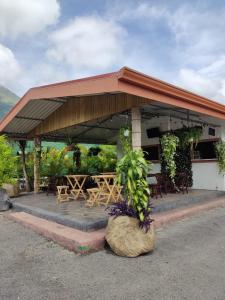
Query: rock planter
x,y
11,189
126,238
4,200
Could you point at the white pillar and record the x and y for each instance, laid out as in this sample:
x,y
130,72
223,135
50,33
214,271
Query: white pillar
x,y
136,128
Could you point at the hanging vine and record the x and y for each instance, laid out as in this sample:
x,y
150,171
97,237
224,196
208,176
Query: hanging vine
x,y
125,138
220,152
169,143
189,136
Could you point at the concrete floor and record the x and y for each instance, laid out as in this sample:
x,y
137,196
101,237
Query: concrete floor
x,y
188,263
78,209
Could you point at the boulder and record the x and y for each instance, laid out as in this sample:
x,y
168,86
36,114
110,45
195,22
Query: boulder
x,y
4,200
12,189
126,238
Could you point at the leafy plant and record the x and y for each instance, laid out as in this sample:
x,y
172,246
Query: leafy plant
x,y
123,209
188,136
183,163
54,162
220,152
132,170
169,143
7,162
125,138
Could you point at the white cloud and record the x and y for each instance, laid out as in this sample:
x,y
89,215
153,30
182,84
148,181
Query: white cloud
x,y
207,81
88,43
26,17
9,67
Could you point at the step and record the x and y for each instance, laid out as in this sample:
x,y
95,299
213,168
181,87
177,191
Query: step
x,y
165,218
70,238
86,242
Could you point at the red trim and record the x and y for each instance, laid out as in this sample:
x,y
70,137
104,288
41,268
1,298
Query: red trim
x,y
125,80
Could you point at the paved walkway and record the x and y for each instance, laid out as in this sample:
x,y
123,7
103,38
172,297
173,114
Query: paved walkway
x,y
188,263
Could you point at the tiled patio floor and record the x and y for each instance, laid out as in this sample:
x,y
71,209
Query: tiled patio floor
x,y
78,209
77,215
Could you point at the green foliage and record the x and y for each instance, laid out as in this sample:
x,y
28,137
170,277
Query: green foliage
x,y
220,152
54,162
7,162
169,143
125,138
108,158
183,162
132,170
188,136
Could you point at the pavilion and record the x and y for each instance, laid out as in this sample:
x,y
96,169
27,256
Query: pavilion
x,y
93,109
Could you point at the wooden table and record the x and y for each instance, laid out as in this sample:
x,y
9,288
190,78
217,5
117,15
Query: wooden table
x,y
108,189
77,182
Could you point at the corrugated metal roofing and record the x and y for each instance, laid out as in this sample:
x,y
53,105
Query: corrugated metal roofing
x,y
32,114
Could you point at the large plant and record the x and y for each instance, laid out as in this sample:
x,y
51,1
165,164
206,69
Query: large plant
x,y
7,162
220,152
54,162
125,138
132,170
169,143
188,136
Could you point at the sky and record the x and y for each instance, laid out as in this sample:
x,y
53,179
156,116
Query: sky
x,y
181,42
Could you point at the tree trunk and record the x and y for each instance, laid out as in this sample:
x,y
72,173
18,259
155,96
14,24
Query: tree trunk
x,y
22,145
37,159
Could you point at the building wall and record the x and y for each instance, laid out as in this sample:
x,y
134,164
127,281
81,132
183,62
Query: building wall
x,y
205,173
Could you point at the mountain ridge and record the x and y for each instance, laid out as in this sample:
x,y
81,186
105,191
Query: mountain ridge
x,y
7,100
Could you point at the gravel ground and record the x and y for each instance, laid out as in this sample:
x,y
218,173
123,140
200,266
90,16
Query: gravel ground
x,y
188,263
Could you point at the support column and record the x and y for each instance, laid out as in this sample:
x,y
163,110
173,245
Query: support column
x,y
136,128
37,162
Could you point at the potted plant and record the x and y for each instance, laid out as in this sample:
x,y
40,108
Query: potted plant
x,y
8,174
130,232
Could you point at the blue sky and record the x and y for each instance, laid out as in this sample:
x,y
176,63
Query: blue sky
x,y
182,42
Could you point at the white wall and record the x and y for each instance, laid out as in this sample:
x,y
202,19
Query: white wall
x,y
206,176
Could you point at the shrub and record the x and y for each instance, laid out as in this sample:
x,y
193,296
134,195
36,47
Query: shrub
x,y
7,162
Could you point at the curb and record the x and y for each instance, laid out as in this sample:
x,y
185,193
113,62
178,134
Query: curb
x,y
70,238
163,219
86,242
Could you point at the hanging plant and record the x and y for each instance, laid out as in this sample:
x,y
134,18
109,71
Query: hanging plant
x,y
189,136
169,143
220,152
125,138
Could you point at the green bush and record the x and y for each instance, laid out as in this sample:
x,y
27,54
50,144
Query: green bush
x,y
8,170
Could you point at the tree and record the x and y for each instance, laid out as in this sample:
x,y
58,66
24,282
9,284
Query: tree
x,y
22,145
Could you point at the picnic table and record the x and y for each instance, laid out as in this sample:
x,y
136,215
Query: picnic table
x,y
107,191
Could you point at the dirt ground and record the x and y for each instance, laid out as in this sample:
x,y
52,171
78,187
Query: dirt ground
x,y
188,263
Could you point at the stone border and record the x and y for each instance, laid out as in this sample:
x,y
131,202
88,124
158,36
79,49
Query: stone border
x,y
83,225
100,223
70,238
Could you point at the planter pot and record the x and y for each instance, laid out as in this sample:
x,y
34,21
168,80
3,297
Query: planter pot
x,y
126,238
11,189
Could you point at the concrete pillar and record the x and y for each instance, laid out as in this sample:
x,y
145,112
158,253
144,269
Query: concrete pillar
x,y
136,128
37,162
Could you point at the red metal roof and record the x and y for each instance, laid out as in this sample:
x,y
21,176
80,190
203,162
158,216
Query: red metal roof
x,y
125,80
